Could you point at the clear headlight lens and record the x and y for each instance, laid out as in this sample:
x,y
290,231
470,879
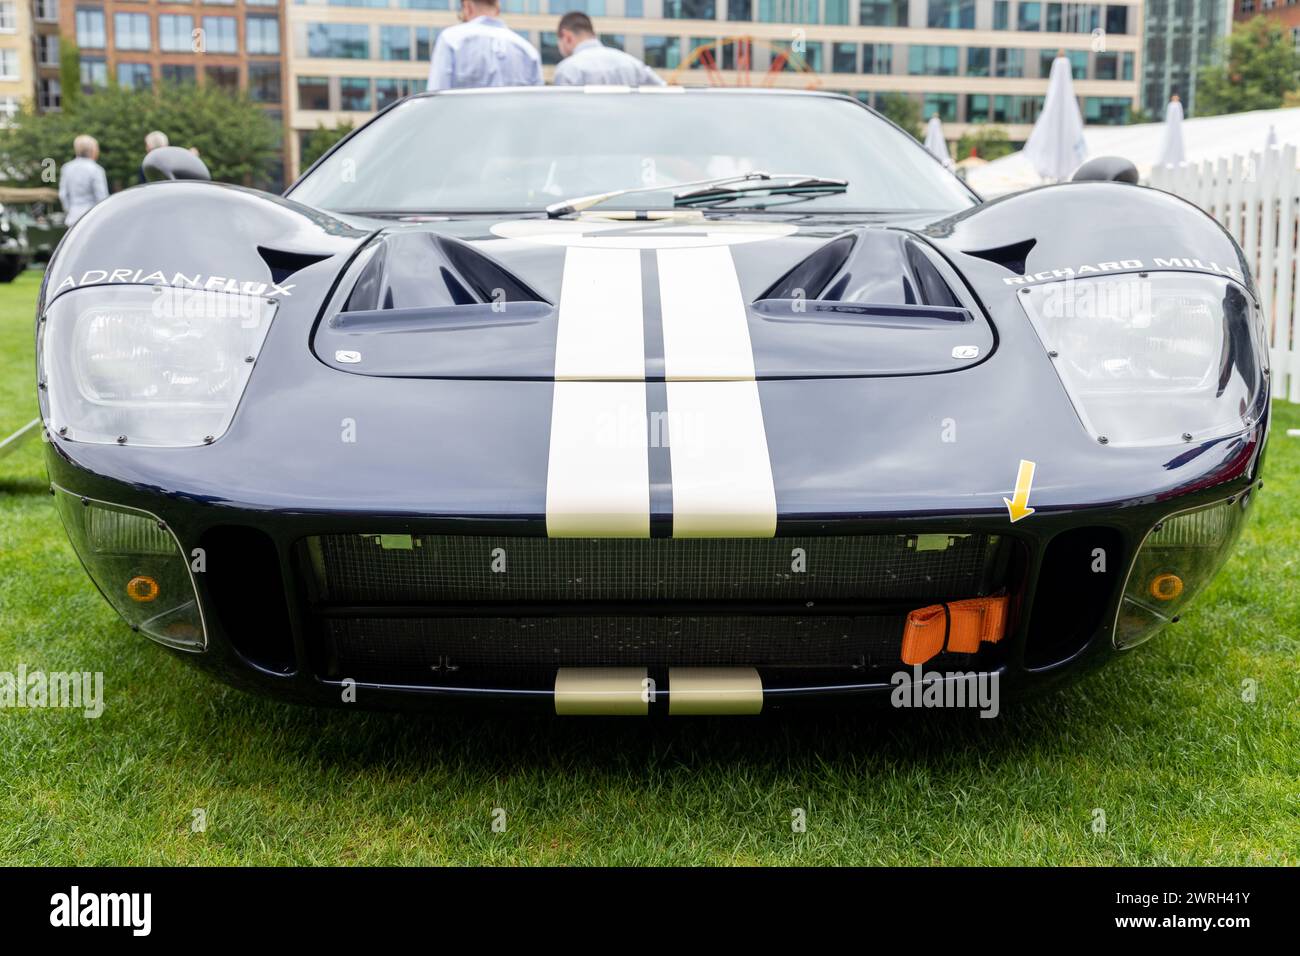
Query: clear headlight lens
x,y
153,365
1150,359
138,565
1178,558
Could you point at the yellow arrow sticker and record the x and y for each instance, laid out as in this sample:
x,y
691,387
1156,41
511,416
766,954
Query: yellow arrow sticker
x,y
1018,506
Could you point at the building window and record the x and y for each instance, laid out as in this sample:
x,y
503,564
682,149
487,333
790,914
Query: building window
x,y
262,35
1029,16
388,90
175,32
877,58
942,105
354,94
1126,71
1106,110
135,76
882,13
742,10
977,108
47,49
395,43
345,41
9,107
1010,63
1001,15
951,15
1106,66
47,11
811,55
94,72
313,93
176,74
690,10
932,61
837,13
264,81
662,52
8,17
977,61
91,29
1078,63
844,58
1117,20
785,11
131,31
548,45
49,98
8,64
1016,109
424,37
220,35
222,77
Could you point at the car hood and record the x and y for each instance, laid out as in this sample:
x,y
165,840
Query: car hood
x,y
677,298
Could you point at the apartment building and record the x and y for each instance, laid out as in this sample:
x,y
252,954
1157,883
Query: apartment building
x,y
45,88
235,44
17,78
968,61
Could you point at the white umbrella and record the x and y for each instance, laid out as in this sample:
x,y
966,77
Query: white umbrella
x,y
1271,141
1172,152
1056,147
935,142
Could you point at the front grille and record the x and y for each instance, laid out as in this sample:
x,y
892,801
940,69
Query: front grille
x,y
507,611
401,569
416,650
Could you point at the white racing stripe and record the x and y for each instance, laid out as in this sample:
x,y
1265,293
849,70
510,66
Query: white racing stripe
x,y
601,332
722,476
706,324
598,476
598,479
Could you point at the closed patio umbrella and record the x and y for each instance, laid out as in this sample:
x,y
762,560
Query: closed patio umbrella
x,y
1056,146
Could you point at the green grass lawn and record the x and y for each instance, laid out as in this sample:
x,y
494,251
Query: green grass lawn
x,y
1185,770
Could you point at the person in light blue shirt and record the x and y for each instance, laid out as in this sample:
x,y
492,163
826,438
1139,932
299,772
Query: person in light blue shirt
x,y
587,61
482,51
82,182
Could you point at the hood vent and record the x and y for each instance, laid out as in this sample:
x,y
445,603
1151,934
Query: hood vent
x,y
420,270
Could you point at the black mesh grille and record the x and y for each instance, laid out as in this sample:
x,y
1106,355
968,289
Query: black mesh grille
x,y
399,569
413,650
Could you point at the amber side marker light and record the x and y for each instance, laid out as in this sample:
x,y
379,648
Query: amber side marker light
x,y
142,589
1165,587
957,626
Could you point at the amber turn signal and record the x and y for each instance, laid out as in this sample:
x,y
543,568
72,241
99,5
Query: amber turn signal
x,y
958,626
1165,587
142,589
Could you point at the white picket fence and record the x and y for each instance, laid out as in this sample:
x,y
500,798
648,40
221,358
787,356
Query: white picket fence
x,y
1257,198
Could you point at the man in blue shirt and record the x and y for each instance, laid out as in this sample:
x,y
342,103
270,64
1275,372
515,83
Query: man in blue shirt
x,y
482,51
587,61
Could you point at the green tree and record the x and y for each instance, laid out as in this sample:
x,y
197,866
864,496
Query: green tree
x,y
988,142
903,110
69,73
1258,70
319,141
234,136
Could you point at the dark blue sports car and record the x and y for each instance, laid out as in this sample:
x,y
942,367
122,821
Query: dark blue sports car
x,y
620,401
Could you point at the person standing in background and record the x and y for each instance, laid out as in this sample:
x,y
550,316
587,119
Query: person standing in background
x,y
153,141
588,61
82,182
482,51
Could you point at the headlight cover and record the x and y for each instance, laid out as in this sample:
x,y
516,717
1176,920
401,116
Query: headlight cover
x,y
137,564
1153,358
1177,559
149,365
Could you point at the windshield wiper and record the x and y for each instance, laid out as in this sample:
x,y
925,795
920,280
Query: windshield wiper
x,y
705,190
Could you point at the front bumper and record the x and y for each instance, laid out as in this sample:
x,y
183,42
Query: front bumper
x,y
269,630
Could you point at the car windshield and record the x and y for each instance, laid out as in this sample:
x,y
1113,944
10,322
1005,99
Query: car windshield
x,y
520,151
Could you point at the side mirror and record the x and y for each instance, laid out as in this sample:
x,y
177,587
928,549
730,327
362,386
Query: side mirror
x,y
172,162
1107,169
